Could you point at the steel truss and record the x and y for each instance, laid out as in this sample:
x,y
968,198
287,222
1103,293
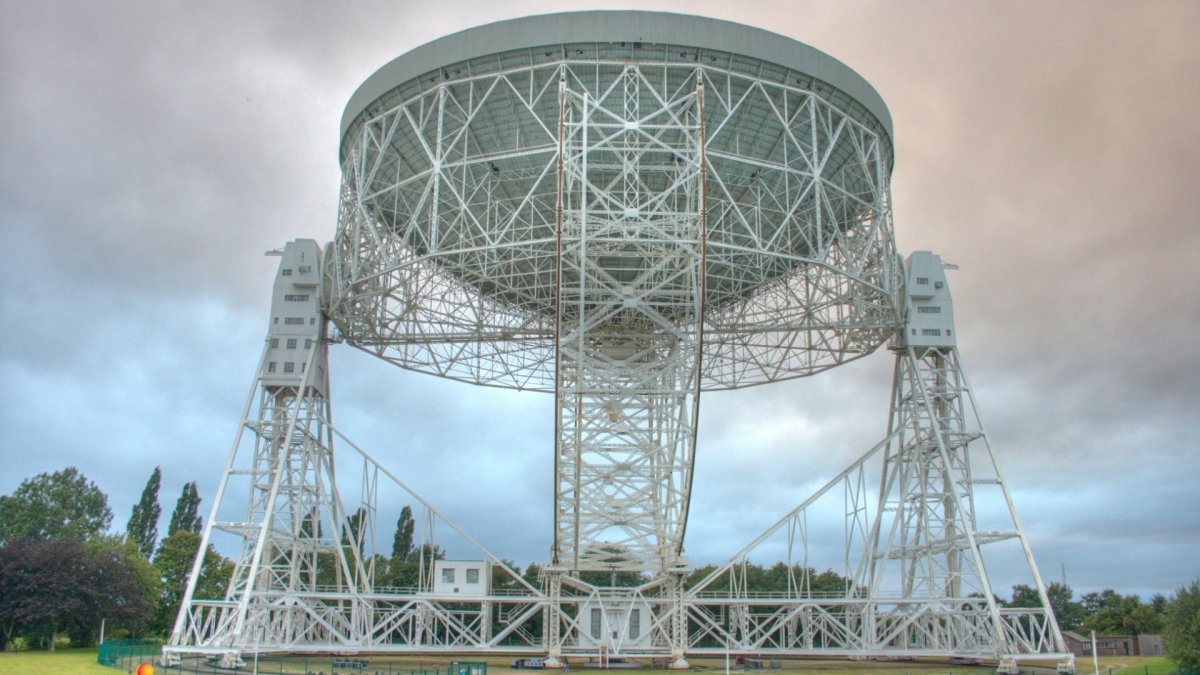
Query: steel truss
x,y
305,575
624,233
276,600
446,259
912,551
629,339
628,350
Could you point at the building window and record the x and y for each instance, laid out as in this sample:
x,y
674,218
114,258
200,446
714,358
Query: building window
x,y
289,367
303,297
287,271
448,575
291,343
276,320
472,576
922,281
635,624
308,343
312,321
293,321
929,310
596,617
938,284
271,367
931,331
274,343
305,269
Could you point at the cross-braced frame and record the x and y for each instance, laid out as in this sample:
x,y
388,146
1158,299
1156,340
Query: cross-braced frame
x,y
446,256
623,224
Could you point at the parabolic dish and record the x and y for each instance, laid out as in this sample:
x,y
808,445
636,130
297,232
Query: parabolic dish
x,y
446,254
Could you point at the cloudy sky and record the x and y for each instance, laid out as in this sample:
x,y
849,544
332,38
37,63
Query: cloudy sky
x,y
151,152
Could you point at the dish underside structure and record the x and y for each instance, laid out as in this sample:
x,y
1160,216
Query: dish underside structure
x,y
621,210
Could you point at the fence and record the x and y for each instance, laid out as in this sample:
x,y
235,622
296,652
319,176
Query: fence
x,y
128,654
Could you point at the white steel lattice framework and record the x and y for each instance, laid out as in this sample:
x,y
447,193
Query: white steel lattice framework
x,y
623,209
913,549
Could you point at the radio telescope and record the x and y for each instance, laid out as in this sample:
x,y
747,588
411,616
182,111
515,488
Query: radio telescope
x,y
622,210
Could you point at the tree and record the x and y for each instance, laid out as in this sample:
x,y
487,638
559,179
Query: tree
x,y
145,577
51,587
827,582
402,541
1182,625
1070,614
403,568
174,565
186,514
533,575
60,505
1143,620
1107,611
503,582
310,527
143,522
1160,603
778,578
407,573
354,530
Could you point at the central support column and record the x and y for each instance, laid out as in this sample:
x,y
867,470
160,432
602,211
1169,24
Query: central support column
x,y
630,300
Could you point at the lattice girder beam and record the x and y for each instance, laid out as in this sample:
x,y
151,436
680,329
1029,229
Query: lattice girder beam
x,y
799,198
627,368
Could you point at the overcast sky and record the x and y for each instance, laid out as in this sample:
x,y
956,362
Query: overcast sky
x,y
151,152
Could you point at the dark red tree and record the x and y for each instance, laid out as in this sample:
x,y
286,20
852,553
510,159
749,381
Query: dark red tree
x,y
53,587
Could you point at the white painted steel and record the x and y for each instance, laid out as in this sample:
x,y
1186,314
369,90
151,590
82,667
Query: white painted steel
x,y
623,225
623,221
914,556
299,524
914,553
445,258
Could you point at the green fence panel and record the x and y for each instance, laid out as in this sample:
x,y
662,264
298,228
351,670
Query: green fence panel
x,y
126,653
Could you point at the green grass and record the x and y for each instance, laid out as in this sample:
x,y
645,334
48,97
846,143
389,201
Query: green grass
x,y
63,662
1131,665
83,662
499,666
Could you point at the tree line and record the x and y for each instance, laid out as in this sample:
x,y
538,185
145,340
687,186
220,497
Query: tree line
x,y
1107,612
62,572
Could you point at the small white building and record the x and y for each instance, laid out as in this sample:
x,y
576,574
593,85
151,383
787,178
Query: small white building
x,y
462,577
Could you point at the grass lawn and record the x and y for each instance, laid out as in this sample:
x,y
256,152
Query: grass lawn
x,y
1126,665
83,662
62,662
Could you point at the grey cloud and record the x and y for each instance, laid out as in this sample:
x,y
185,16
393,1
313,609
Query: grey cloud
x,y
150,153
